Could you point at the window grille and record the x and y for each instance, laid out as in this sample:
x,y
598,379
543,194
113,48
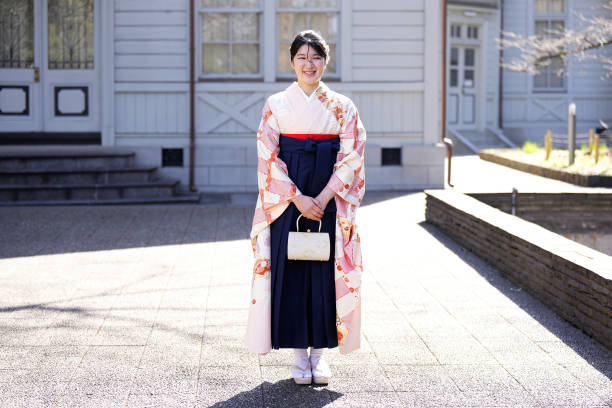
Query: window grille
x,y
231,38
550,16
294,16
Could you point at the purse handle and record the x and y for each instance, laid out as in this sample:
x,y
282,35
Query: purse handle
x,y
297,224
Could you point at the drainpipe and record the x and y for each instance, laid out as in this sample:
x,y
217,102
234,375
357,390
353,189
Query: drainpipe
x,y
191,95
500,92
447,142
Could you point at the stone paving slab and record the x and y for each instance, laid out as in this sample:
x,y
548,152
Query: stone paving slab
x,y
146,306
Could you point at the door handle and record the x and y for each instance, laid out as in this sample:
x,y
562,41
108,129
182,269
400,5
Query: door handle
x,y
36,74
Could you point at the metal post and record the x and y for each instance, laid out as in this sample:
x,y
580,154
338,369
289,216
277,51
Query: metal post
x,y
571,132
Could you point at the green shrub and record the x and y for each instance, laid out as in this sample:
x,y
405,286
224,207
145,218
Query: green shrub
x,y
530,147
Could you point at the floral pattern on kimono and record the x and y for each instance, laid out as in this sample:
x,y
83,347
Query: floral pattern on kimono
x,y
336,115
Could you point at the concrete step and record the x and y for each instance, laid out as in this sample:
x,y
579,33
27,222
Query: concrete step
x,y
182,199
64,159
45,192
78,176
459,149
486,144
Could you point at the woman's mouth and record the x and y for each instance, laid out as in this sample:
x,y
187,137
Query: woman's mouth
x,y
309,73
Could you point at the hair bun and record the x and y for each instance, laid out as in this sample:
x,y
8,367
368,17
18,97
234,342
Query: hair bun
x,y
312,38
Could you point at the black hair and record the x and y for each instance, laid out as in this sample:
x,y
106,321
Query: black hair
x,y
313,39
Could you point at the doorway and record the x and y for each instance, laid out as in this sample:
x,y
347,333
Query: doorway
x,y
463,75
49,66
463,86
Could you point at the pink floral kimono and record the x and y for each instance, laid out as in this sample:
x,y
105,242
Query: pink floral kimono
x,y
325,112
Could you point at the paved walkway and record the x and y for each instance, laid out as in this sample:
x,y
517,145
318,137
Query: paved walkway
x,y
146,306
471,174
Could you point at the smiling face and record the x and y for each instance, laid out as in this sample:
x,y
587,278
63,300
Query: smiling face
x,y
308,66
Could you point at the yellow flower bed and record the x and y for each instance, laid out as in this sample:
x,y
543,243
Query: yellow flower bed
x,y
584,163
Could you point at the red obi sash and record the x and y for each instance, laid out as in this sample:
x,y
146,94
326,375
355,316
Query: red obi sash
x,y
310,135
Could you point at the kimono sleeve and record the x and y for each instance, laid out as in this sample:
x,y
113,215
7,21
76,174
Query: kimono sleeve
x,y
275,185
348,178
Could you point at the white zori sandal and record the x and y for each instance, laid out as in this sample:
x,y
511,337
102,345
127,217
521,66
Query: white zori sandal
x,y
301,371
321,372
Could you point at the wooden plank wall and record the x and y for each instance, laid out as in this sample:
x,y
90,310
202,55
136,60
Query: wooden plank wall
x,y
388,40
529,114
151,41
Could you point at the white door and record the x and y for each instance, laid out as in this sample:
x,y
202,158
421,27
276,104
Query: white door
x,y
462,83
49,66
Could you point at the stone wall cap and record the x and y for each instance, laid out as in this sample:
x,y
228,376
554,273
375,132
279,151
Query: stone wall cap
x,y
578,254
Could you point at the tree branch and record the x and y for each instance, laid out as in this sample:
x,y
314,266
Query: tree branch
x,y
537,52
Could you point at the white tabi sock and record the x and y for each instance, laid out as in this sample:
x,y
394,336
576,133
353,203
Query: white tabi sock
x,y
315,355
300,358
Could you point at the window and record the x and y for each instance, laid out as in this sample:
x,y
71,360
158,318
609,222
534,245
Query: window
x,y
294,16
549,16
456,30
71,34
472,32
230,36
16,34
454,70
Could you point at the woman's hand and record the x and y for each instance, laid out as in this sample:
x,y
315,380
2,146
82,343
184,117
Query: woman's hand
x,y
325,196
309,207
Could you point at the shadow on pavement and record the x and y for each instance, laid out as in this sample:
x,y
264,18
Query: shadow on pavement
x,y
72,316
591,351
281,394
30,231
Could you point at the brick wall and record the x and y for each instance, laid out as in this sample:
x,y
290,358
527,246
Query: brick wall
x,y
574,212
573,280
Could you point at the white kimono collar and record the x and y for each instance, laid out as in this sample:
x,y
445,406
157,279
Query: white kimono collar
x,y
306,97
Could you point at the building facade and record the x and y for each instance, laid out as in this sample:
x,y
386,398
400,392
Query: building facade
x,y
121,69
534,104
482,98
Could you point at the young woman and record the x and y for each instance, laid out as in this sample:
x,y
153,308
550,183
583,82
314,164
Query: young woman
x,y
310,146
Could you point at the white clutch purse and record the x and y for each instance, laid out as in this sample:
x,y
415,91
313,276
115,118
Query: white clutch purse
x,y
308,246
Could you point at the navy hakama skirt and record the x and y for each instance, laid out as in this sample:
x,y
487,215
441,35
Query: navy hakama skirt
x,y
303,292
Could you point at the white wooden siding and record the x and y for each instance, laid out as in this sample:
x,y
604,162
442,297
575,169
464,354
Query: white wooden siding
x,y
231,114
516,17
383,57
388,38
528,114
586,76
151,41
389,5
151,113
492,66
390,112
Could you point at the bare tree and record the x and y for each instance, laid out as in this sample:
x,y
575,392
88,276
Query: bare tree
x,y
537,52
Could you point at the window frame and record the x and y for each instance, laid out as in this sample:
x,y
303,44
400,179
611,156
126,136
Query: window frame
x,y
549,17
278,9
259,11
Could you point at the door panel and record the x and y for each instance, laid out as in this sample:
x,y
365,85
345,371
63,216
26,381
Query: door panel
x,y
19,65
453,109
462,86
70,69
469,117
49,70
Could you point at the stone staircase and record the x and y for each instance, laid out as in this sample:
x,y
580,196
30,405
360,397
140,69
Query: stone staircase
x,y
472,141
79,175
